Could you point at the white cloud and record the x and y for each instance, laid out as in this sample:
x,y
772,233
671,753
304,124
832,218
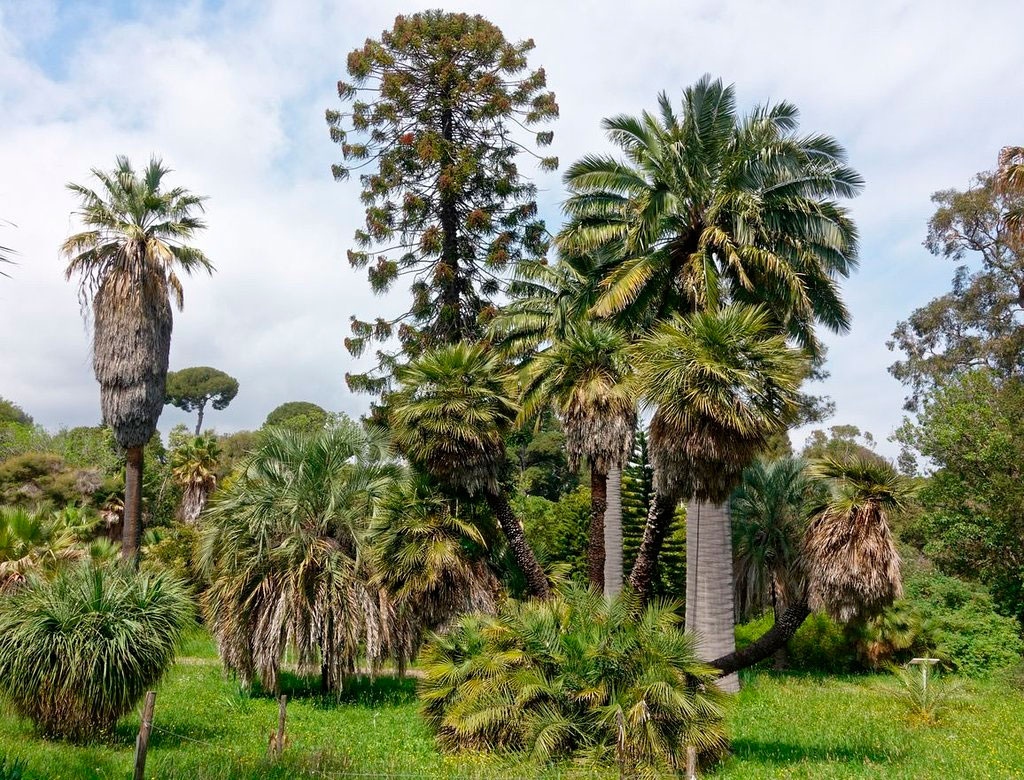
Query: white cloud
x,y
233,96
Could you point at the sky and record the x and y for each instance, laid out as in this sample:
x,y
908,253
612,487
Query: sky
x,y
231,94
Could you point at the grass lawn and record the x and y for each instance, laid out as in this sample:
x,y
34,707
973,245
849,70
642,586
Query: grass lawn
x,y
781,726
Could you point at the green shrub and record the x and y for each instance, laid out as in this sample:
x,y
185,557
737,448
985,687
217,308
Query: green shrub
x,y
78,652
575,677
558,530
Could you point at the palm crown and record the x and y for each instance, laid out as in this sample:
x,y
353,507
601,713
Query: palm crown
x,y
711,206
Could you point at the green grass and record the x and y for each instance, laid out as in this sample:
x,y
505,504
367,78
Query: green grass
x,y
781,727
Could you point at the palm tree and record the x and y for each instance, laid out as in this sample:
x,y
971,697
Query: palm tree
x,y
769,517
852,562
449,418
6,253
33,542
283,549
194,468
722,383
128,257
586,379
1010,180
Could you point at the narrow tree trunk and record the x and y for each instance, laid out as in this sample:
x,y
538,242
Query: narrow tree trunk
x,y
199,419
710,613
595,544
766,644
131,538
659,519
613,534
521,550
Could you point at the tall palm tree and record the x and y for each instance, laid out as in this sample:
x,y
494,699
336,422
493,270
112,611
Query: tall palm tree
x,y
722,383
6,253
586,378
283,548
1010,180
194,468
449,418
128,258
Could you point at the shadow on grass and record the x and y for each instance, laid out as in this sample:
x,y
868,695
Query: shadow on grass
x,y
359,691
775,752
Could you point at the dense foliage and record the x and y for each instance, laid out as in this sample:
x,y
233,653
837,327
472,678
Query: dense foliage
x,y
78,652
191,389
576,676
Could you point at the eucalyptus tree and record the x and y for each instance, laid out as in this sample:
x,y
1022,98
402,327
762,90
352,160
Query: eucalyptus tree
x,y
449,416
586,378
721,384
133,243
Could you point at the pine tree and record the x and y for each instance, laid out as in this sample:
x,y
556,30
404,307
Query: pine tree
x,y
446,97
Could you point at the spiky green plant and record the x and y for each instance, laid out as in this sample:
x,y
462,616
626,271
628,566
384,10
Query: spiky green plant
x,y
38,542
429,560
77,652
282,547
449,417
579,676
925,695
134,242
853,565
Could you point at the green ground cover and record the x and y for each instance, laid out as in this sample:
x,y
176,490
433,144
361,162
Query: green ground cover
x,y
782,726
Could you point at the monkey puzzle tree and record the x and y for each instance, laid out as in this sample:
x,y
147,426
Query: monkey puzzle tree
x,y
445,201
191,389
127,257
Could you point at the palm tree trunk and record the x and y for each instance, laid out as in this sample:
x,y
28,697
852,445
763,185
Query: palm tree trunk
x,y
131,538
659,519
710,614
613,534
766,644
536,580
595,545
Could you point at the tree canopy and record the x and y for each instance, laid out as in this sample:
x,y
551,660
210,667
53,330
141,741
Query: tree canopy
x,y
298,415
191,389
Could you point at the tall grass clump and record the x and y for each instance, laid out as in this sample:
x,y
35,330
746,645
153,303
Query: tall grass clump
x,y
577,677
78,651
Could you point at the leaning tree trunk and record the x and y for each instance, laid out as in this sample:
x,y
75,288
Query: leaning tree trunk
x,y
709,585
536,580
595,542
659,520
770,641
131,538
613,534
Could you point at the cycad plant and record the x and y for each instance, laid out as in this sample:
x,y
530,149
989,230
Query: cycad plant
x,y
852,561
579,676
134,243
282,547
77,652
449,417
194,469
430,561
587,379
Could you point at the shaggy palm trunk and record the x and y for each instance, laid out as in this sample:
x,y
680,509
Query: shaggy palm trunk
x,y
536,580
709,583
613,534
131,538
595,545
659,519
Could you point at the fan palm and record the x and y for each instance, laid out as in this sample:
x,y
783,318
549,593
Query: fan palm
x,y
586,378
36,542
722,383
710,205
282,548
428,559
128,258
6,253
853,565
194,468
449,417
1010,180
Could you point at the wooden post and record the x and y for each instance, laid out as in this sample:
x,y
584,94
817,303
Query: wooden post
x,y
282,711
142,741
691,762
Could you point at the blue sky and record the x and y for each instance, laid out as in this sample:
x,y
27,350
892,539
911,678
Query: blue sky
x,y
232,95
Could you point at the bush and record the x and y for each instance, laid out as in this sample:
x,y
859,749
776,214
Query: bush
x,y
78,652
575,677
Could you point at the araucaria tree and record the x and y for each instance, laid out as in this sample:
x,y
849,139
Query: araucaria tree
x,y
439,133
191,389
128,256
